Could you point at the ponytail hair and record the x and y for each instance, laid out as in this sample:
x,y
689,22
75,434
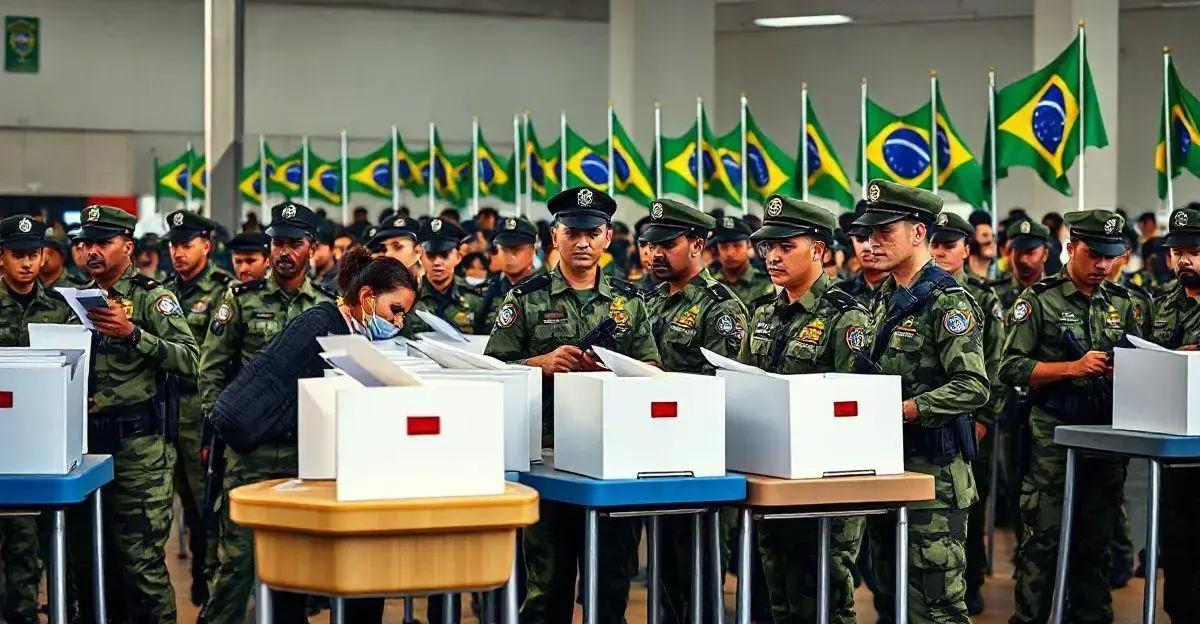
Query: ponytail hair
x,y
382,275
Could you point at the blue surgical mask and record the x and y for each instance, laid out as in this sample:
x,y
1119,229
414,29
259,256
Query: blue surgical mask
x,y
376,328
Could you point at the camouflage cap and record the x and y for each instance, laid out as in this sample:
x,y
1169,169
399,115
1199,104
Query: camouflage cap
x,y
104,222
582,207
1099,229
787,217
1025,234
1183,228
184,225
250,241
292,220
948,227
440,235
22,233
670,219
730,229
888,202
515,231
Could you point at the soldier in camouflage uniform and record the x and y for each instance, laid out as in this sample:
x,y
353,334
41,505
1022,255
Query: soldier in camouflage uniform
x,y
148,257
443,294
1177,326
732,239
23,300
1070,387
515,245
862,285
200,286
54,271
811,326
690,310
249,316
928,331
951,249
539,324
141,336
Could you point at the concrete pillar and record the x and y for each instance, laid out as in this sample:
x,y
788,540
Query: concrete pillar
x,y
1054,26
224,48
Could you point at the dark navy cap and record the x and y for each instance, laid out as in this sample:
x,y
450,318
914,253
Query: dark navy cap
x,y
292,220
582,207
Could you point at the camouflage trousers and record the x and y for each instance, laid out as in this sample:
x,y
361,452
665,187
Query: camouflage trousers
x,y
137,510
675,563
1180,545
1099,494
789,554
189,484
20,569
976,544
233,579
554,551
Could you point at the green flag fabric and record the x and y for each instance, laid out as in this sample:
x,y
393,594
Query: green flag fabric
x,y
633,177
826,177
1185,111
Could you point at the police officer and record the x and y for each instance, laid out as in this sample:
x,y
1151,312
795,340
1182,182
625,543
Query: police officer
x,y
950,244
690,310
396,237
250,315
862,285
141,334
251,255
1029,247
23,300
1177,326
324,269
200,286
515,246
54,271
928,331
443,294
732,238
539,325
811,326
1060,331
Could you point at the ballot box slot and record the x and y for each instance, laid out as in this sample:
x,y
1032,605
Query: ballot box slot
x,y
6,399
849,473
664,475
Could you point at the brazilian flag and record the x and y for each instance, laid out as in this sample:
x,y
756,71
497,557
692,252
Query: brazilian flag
x,y
1185,112
587,163
410,168
958,169
446,172
826,177
542,165
632,174
325,179
199,176
1038,119
287,174
372,173
684,162
250,182
173,177
770,169
495,177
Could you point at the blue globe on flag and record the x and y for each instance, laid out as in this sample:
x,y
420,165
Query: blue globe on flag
x,y
943,149
536,173
812,154
758,174
1183,140
294,174
403,169
621,166
733,169
269,170
382,175
330,182
1050,119
906,152
486,172
709,167
182,178
594,169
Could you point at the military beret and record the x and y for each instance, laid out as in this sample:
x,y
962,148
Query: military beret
x,y
250,241
1183,228
184,225
948,227
888,202
104,222
582,207
292,220
787,217
440,235
22,233
513,231
670,219
730,229
1099,229
1025,234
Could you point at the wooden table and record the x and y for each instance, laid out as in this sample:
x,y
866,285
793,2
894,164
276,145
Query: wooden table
x,y
770,498
306,541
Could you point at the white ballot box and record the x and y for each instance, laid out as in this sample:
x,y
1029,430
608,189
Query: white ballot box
x,y
1152,390
42,410
611,427
522,409
442,438
316,417
811,426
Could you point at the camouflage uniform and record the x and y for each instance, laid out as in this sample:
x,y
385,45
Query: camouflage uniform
x,y
125,379
20,561
1038,322
249,316
754,283
539,315
458,305
811,335
512,232
858,288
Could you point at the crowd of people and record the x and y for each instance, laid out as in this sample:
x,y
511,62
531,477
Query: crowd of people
x,y
204,333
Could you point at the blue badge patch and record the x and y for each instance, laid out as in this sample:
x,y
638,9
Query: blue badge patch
x,y
856,338
958,322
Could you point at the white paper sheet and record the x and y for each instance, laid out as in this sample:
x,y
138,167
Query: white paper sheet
x,y
720,361
1142,343
441,326
450,356
72,295
371,365
625,366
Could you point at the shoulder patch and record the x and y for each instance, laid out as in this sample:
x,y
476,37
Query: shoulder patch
x,y
146,283
720,292
531,284
1048,283
1021,310
958,322
166,305
247,287
506,316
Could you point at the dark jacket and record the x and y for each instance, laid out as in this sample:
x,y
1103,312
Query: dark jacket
x,y
259,405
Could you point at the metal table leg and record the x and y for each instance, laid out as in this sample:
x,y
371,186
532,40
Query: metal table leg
x,y
262,604
100,601
989,512
591,565
1064,542
449,601
826,525
511,609
697,569
408,610
718,573
337,610
745,526
58,570
902,565
653,590
1148,601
